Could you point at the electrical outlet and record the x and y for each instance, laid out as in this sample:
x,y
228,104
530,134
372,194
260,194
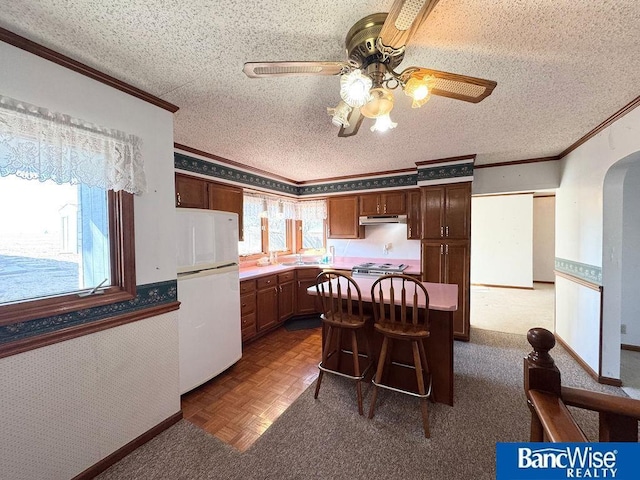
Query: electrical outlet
x,y
623,329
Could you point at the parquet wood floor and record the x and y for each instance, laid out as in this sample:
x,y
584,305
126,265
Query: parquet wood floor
x,y
241,403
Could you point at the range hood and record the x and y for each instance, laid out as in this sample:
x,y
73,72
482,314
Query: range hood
x,y
378,219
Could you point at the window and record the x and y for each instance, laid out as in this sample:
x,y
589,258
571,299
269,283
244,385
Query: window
x,y
65,228
55,239
311,226
268,225
311,234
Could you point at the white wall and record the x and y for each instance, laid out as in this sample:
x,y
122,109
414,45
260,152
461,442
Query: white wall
x,y
525,177
68,405
502,240
375,238
579,236
544,246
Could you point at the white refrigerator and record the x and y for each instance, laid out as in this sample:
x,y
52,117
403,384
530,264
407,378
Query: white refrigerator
x,y
209,293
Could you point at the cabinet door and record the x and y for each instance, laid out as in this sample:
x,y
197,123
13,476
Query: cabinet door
x,y
458,271
306,304
266,307
433,215
370,204
191,192
343,215
286,300
458,210
433,262
227,198
414,215
394,203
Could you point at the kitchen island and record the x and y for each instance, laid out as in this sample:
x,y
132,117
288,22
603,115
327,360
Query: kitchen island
x,y
443,301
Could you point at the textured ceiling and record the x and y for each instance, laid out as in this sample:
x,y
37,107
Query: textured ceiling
x,y
562,67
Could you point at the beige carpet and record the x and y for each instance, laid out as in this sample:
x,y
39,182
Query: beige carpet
x,y
513,310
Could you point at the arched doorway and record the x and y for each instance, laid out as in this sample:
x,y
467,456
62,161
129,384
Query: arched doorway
x,y
621,267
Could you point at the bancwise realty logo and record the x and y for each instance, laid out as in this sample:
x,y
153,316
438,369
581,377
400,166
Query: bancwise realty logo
x,y
552,461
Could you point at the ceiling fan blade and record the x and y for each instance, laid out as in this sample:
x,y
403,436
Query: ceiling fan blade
x,y
452,85
293,69
355,120
403,20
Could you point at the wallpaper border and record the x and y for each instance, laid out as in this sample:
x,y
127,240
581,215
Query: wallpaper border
x,y
147,296
584,271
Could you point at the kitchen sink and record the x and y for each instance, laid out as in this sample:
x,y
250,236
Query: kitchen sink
x,y
289,264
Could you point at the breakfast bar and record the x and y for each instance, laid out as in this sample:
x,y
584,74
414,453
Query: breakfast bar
x,y
443,301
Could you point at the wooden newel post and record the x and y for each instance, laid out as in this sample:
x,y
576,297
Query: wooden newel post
x,y
540,373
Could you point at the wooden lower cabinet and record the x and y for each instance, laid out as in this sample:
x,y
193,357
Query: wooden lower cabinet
x,y
248,309
266,302
286,295
306,304
449,262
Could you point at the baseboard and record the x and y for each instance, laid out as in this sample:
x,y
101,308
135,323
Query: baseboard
x,y
633,348
577,358
615,382
122,452
500,286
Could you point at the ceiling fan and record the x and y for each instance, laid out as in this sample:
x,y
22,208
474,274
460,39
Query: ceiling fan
x,y
375,47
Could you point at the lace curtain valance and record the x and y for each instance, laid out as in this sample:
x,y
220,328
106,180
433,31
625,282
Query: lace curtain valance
x,y
273,207
36,143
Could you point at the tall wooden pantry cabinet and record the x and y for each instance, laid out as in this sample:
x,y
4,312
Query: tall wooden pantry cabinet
x,y
446,244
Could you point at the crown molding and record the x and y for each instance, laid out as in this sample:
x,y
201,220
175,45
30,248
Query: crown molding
x,y
226,161
447,160
613,118
519,162
67,62
359,176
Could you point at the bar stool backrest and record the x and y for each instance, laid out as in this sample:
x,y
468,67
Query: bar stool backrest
x,y
400,299
339,295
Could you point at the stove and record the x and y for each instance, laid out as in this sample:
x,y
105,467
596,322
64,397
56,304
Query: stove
x,y
377,269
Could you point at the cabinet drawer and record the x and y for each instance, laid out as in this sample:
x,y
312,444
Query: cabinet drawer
x,y
265,282
247,286
248,326
286,276
247,303
307,273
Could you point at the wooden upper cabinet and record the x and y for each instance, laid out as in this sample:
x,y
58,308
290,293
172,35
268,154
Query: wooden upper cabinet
x,y
342,217
191,192
389,203
195,192
447,211
227,198
414,215
458,210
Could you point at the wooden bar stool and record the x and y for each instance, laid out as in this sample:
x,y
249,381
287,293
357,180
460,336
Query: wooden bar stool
x,y
398,317
342,310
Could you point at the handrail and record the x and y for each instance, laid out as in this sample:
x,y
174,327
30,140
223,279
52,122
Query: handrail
x,y
556,420
601,402
547,400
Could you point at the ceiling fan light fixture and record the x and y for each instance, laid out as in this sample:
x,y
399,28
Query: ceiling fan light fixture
x,y
419,90
340,114
381,103
383,123
355,87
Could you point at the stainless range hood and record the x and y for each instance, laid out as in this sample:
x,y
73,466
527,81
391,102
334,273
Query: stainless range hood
x,y
379,219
